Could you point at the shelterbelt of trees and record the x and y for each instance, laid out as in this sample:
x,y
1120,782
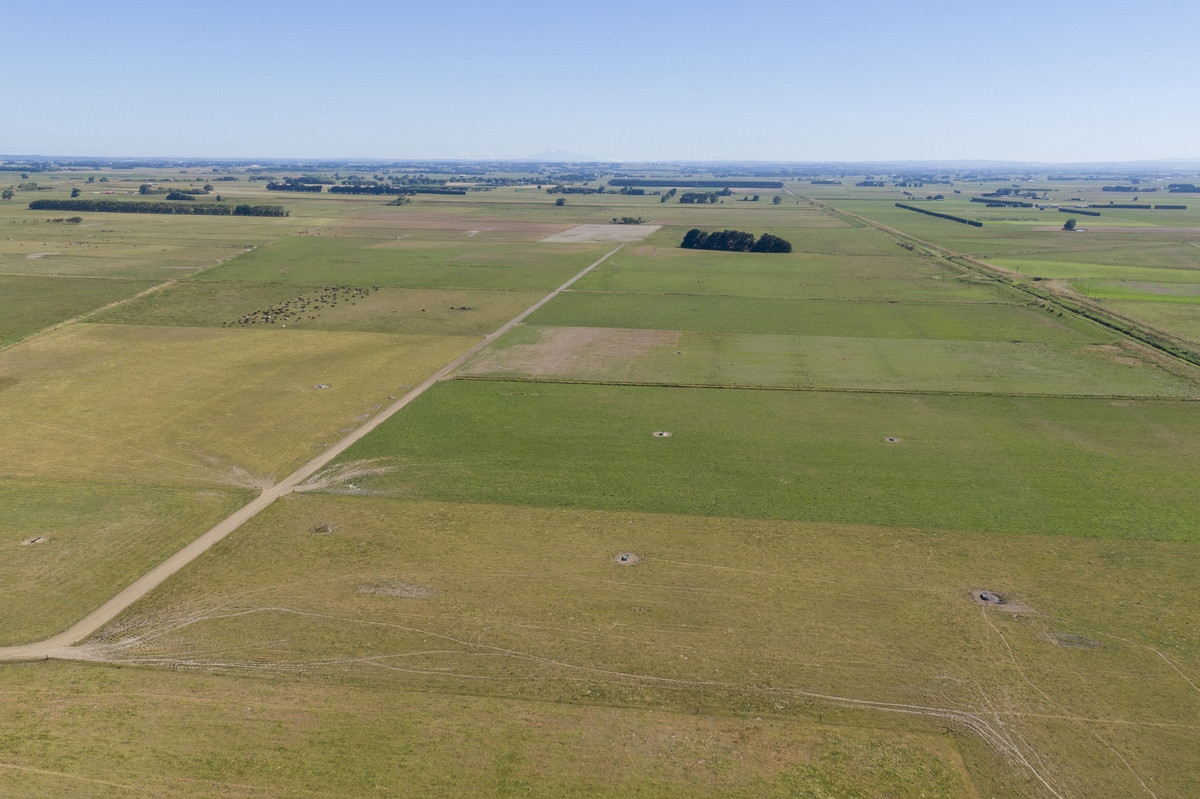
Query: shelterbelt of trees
x,y
143,207
734,241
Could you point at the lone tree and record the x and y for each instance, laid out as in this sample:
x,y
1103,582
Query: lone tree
x,y
1069,224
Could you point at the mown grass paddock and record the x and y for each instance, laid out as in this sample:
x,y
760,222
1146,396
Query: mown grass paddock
x,y
528,603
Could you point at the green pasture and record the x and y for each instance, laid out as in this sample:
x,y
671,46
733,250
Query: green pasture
x,y
319,260
454,312
663,270
782,316
985,464
69,727
32,303
884,364
720,619
196,405
1074,270
1171,255
90,540
1145,290
999,240
1180,318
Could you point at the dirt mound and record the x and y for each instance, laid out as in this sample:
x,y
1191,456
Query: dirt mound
x,y
994,599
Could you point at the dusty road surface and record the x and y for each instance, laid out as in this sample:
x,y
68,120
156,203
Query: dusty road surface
x,y
60,646
603,234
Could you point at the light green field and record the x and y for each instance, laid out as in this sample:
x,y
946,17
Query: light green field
x,y
949,321
32,303
315,260
224,736
984,464
196,405
672,270
872,364
90,540
1180,318
389,310
771,620
1106,272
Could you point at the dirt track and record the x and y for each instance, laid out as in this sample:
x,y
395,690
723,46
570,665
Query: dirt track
x,y
60,646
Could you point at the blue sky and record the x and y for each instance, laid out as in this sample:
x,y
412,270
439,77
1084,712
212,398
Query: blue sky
x,y
797,81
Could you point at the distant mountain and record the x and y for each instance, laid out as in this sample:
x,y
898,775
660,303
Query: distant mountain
x,y
556,157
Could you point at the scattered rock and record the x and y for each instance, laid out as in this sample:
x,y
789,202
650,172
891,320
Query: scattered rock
x,y
626,558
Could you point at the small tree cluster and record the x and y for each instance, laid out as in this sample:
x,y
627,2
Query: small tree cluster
x,y
734,241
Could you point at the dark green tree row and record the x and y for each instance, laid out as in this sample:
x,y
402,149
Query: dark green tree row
x,y
734,241
952,218
1078,211
143,207
293,184
697,184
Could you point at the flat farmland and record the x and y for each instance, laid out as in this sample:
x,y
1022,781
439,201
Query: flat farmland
x,y
70,545
1180,318
671,270
32,302
783,316
990,465
140,246
453,312
196,405
319,260
853,627
227,736
846,362
876,431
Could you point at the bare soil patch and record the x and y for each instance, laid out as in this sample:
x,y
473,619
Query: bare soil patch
x,y
627,558
565,351
37,539
603,234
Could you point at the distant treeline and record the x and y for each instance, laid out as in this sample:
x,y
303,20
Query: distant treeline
x,y
561,189
1183,188
825,182
1138,189
702,197
1170,208
734,241
144,207
994,203
375,189
1078,211
294,184
1145,207
697,184
971,222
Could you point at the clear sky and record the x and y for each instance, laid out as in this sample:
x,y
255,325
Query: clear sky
x,y
852,80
